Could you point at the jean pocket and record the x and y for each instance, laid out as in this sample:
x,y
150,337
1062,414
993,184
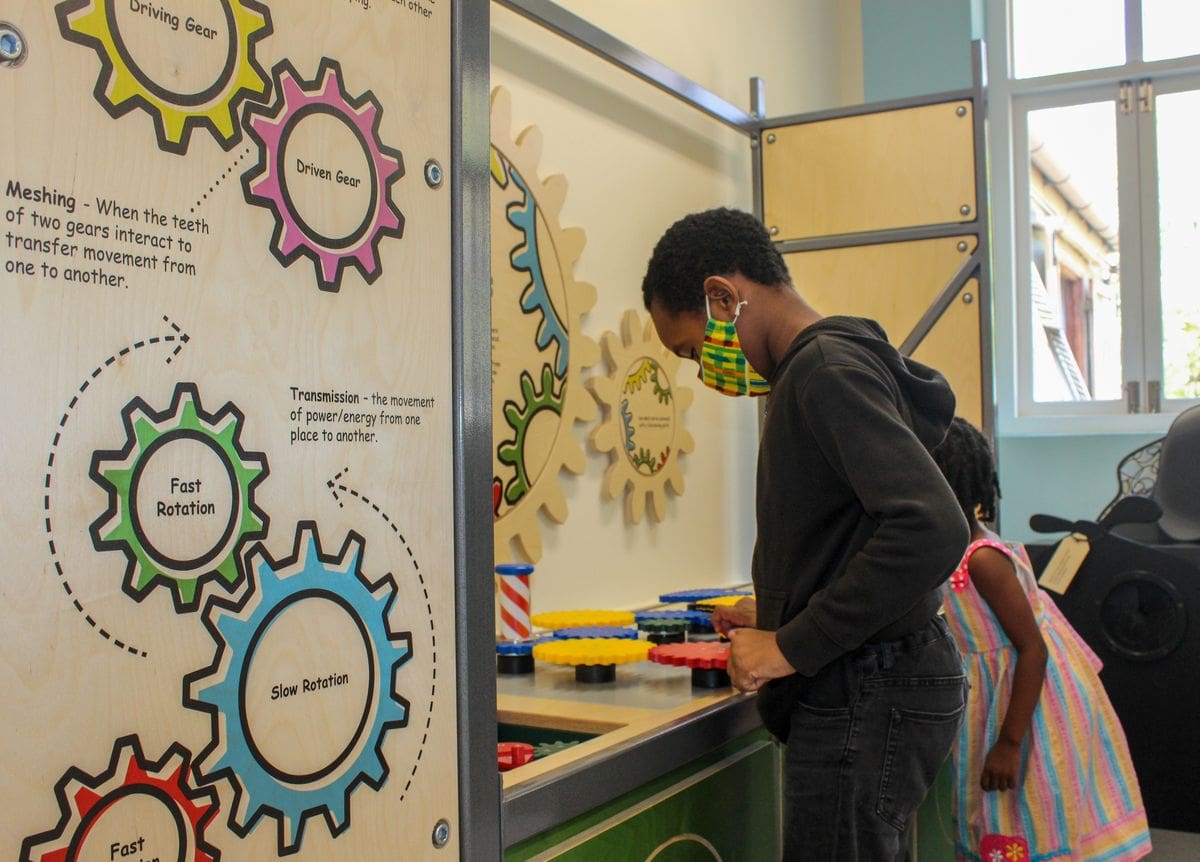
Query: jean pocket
x,y
917,745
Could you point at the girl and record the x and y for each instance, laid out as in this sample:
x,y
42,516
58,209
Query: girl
x,y
1042,770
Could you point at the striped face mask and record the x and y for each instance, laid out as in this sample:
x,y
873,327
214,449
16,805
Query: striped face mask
x,y
723,365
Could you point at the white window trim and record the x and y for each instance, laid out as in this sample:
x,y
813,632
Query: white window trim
x,y
1011,306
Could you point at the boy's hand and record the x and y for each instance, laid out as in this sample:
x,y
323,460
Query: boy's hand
x,y
1002,767
726,617
754,659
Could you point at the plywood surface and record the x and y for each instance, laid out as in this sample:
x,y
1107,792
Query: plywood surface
x,y
952,346
225,311
899,168
892,283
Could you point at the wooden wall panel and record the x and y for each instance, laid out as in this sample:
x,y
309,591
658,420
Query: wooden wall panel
x,y
901,168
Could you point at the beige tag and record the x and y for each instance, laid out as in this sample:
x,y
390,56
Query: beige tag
x,y
1065,563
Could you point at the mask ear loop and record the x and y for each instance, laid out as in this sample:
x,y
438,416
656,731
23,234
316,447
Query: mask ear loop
x,y
737,312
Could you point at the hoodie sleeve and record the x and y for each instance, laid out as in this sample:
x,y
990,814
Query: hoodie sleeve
x,y
920,530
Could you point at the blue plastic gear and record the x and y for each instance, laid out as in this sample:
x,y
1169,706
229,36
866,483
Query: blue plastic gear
x,y
698,595
577,632
526,258
523,647
218,689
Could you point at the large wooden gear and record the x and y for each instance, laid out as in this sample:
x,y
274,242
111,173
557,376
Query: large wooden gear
x,y
538,348
642,428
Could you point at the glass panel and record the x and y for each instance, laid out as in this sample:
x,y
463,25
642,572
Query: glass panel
x,y
1178,119
1170,28
1053,36
1075,279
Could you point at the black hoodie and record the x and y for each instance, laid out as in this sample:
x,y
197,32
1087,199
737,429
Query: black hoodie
x,y
857,528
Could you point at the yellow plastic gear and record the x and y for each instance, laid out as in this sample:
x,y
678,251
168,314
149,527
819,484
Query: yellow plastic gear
x,y
576,619
724,601
539,350
593,651
642,428
123,86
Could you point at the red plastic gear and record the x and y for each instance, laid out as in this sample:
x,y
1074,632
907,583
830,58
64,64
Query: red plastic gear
x,y
697,654
510,755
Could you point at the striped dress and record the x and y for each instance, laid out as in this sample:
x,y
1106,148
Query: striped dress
x,y
1078,797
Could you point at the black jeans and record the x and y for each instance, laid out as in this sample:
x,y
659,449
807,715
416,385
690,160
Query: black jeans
x,y
868,735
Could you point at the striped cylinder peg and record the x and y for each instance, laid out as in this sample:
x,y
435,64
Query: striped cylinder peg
x,y
514,600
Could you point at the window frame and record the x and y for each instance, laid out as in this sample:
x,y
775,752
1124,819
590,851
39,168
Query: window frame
x,y
1009,101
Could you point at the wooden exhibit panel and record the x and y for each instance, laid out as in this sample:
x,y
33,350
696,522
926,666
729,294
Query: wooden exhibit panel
x,y
225,305
952,346
893,169
539,350
891,283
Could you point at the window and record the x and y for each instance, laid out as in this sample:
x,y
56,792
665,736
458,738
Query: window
x,y
1102,135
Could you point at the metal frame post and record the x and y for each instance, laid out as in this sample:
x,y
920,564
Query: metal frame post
x,y
478,825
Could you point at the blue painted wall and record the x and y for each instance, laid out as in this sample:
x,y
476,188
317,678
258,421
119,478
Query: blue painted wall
x,y
913,47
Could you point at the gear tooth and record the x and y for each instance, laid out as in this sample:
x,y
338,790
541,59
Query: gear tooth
x,y
530,143
635,504
555,504
530,541
552,197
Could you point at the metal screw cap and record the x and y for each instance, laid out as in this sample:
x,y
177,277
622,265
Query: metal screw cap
x,y
433,174
12,45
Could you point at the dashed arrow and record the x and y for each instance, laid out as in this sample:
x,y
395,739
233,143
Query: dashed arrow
x,y
177,337
335,485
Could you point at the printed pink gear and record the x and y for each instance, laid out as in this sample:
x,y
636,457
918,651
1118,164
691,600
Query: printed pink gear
x,y
263,184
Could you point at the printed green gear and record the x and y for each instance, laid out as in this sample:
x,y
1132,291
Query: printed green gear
x,y
117,529
512,452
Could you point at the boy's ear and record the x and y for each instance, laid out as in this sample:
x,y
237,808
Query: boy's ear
x,y
721,293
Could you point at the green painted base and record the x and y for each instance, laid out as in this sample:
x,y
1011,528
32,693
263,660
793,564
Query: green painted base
x,y
685,816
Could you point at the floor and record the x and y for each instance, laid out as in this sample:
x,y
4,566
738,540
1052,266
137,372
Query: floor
x,y
1174,846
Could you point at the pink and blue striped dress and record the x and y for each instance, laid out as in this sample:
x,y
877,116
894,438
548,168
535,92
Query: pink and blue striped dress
x,y
1078,797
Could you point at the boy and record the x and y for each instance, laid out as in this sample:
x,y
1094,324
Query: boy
x,y
857,532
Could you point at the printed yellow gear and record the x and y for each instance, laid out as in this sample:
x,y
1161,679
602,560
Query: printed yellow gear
x,y
122,86
642,427
539,348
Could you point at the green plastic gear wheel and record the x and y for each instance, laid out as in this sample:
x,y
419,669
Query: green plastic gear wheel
x,y
123,525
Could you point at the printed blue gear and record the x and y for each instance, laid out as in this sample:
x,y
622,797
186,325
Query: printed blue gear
x,y
526,258
289,804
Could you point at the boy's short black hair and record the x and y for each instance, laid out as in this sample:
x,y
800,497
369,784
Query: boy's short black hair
x,y
966,460
714,242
